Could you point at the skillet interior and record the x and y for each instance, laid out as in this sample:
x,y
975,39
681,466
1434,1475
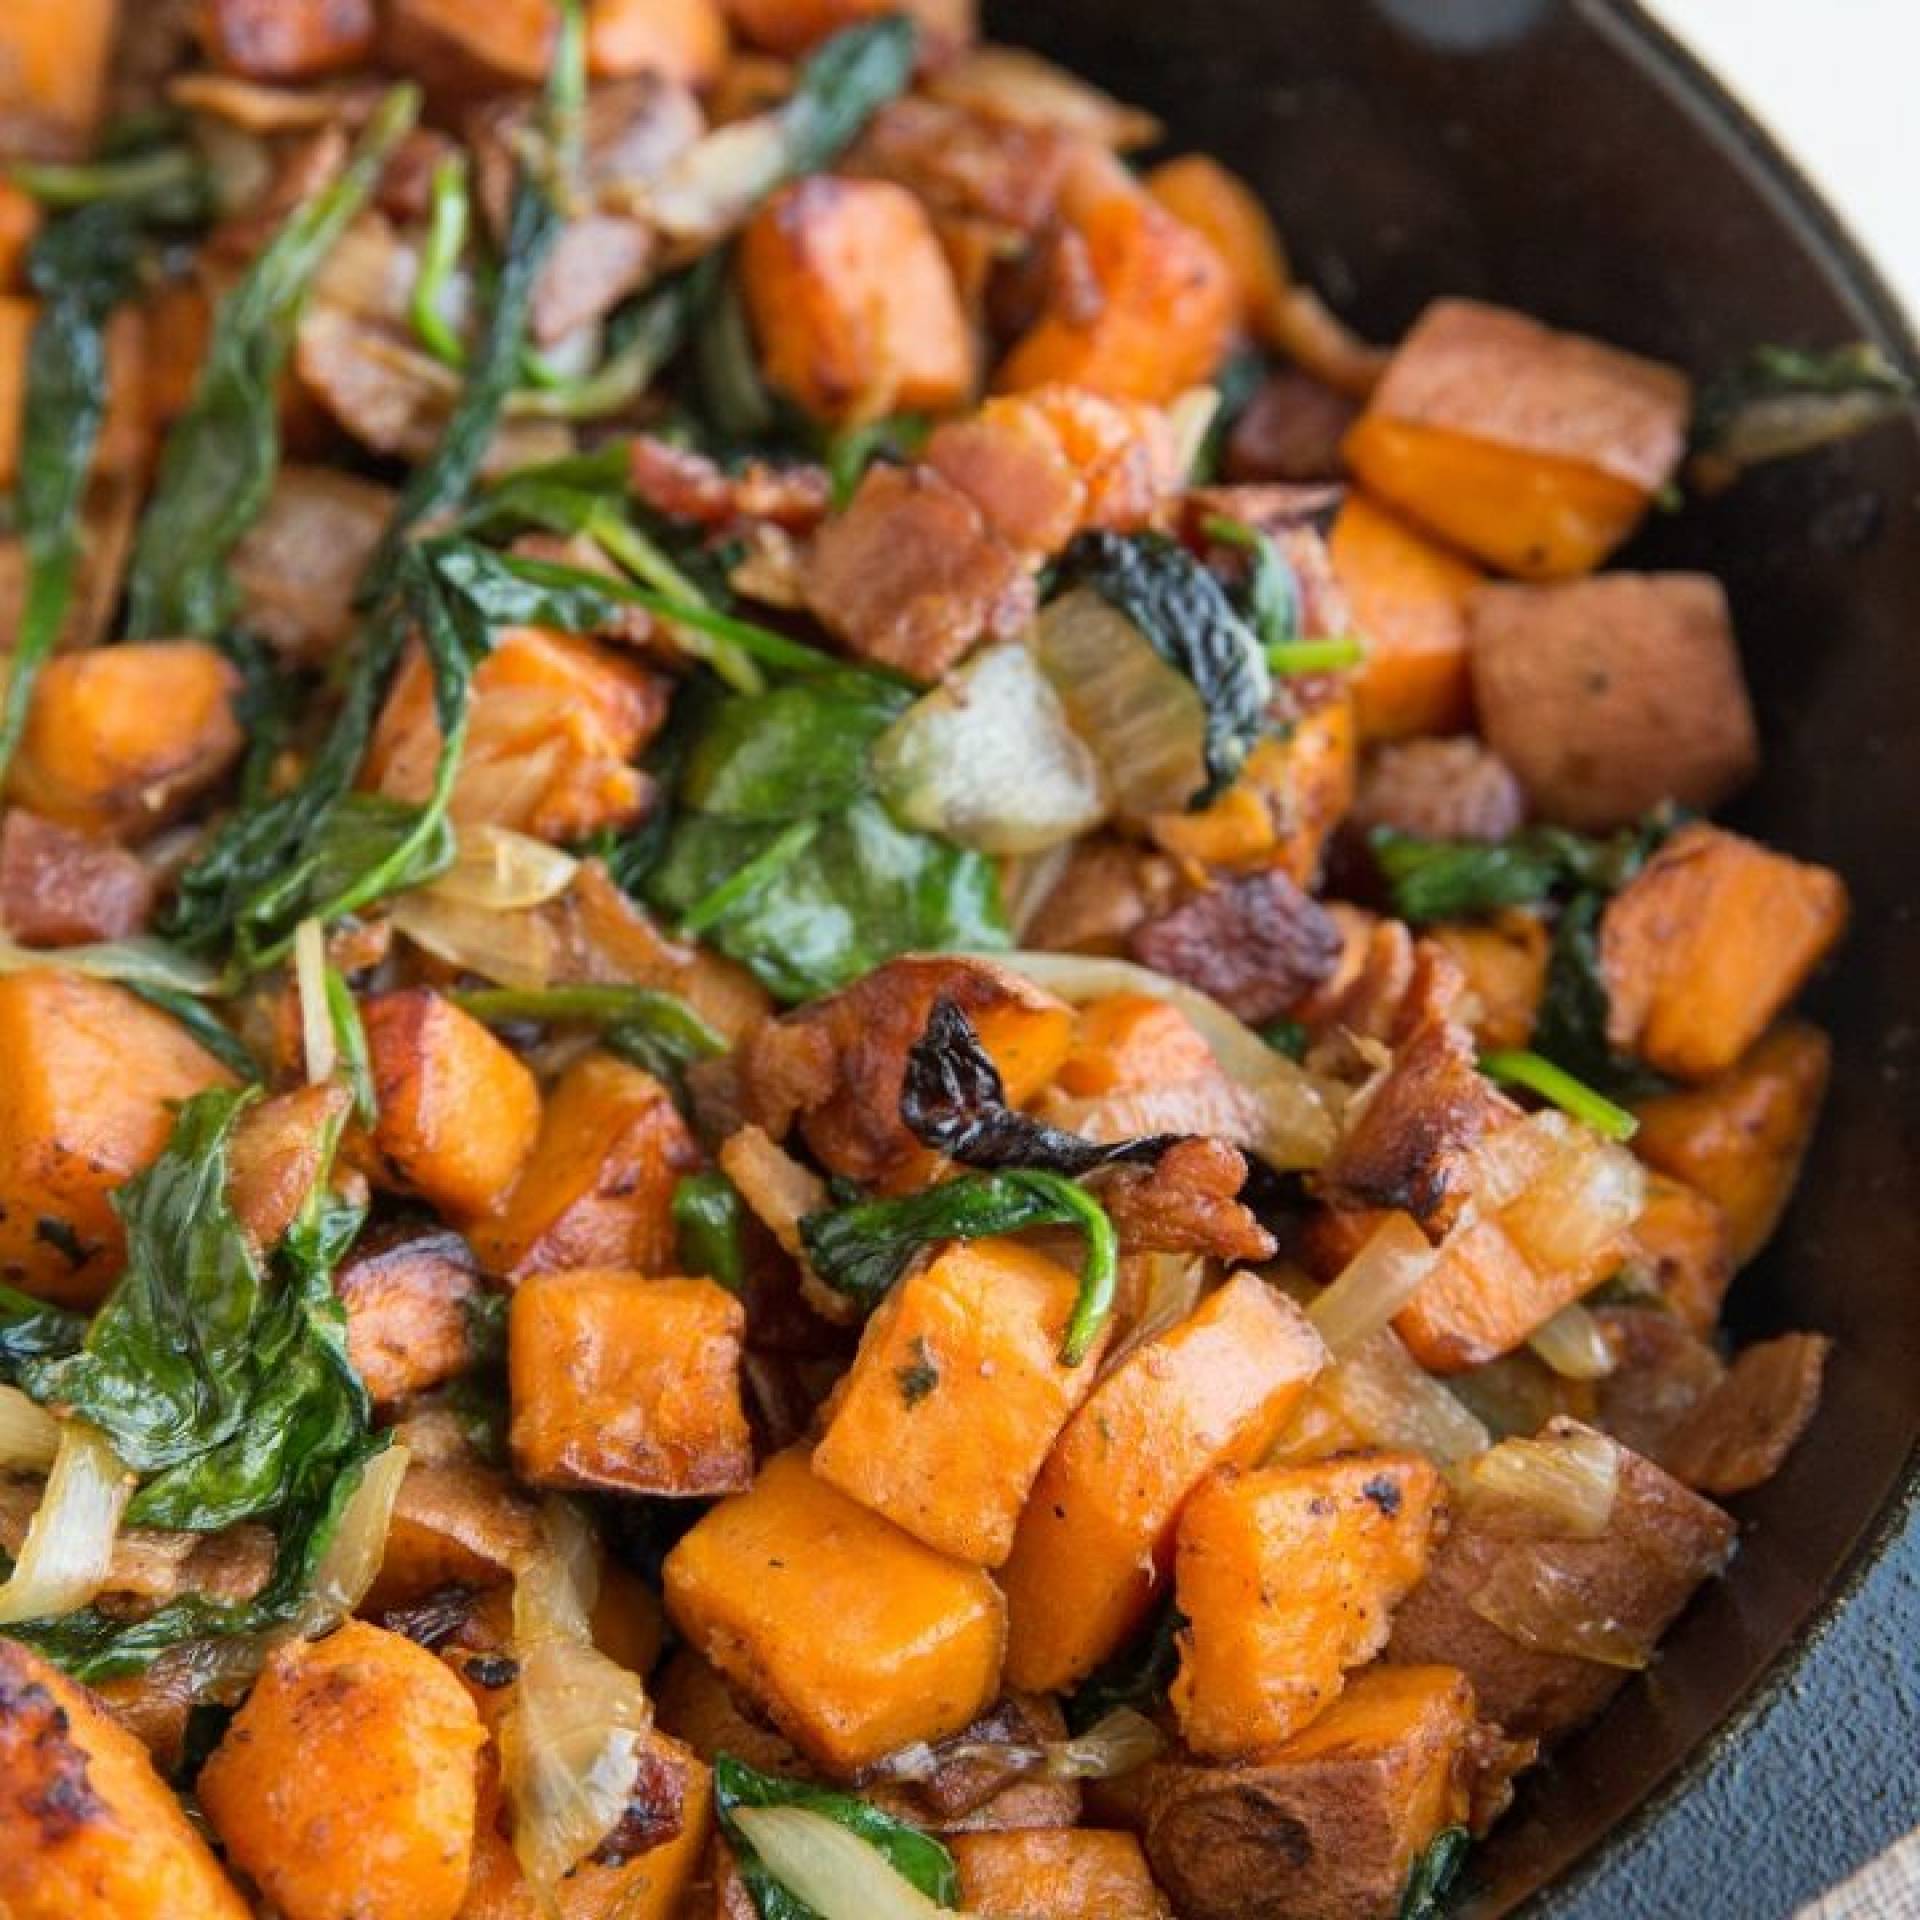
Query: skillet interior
x,y
1563,156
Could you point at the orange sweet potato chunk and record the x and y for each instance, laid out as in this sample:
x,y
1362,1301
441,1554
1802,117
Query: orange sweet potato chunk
x,y
455,1522
853,303
1287,1578
1125,1041
477,47
1095,1541
1708,944
458,1112
793,27
1740,1138
53,70
1504,962
287,39
1535,451
628,1385
956,1395
93,1077
119,739
409,1295
1067,1873
1684,1238
849,1634
597,1190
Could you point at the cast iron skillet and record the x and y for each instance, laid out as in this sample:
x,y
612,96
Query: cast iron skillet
x,y
1567,157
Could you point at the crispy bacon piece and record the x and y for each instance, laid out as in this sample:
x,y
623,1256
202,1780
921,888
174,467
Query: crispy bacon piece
x,y
1439,789
964,165
1738,1435
1291,430
1187,1202
685,485
60,887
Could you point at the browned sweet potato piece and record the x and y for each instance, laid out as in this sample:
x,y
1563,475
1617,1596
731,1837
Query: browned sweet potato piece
x,y
795,26
409,1293
277,1151
297,564
1257,944
93,1077
1447,789
597,1190
59,888
1608,696
88,1830
1327,1826
346,1783
837,1066
1079,1874
694,1703
459,48
287,39
1708,944
1504,963
458,1112
1738,1435
1614,1594
119,739
853,302
1286,1578
912,577
1684,1239
1536,451
626,1384
53,69
455,1522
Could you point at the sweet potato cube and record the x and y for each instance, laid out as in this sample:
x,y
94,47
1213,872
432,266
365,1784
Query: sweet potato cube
x,y
409,1294
793,27
1095,1542
119,739
1287,1578
93,1076
53,70
1609,696
1708,944
1505,963
460,48
1740,1138
597,1190
458,1111
1409,600
1535,451
1683,1237
956,1395
853,302
627,1384
277,1152
1067,1873
1123,1042
19,222
287,39
850,1635
1330,1824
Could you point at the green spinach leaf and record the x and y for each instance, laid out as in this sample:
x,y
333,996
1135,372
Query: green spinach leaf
x,y
655,1030
1782,401
1459,879
32,1330
710,1221
1138,1676
1433,1874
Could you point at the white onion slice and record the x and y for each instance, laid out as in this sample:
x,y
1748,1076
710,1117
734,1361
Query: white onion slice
x,y
1581,1204
310,989
1383,1393
29,1434
497,868
1375,1284
516,949
68,1551
1574,1346
834,1871
351,1563
1568,1481
138,962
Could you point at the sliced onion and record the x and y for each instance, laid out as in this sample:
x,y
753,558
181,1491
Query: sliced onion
x,y
1574,1346
1009,83
1386,1396
351,1563
1567,1480
1375,1284
68,1551
1505,1163
1296,1109
517,949
987,759
310,989
29,1434
1026,885
1533,1600
1173,1286
504,871
1143,719
834,1871
712,186
1190,419
1118,1743
137,962
1580,1206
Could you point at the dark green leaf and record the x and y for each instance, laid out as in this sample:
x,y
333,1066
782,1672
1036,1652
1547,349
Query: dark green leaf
x,y
166,180
1460,879
789,754
34,1330
850,451
1787,400
350,1041
841,86
657,1030
710,1220
1433,1874
1571,1027
1237,382
1138,1676
735,402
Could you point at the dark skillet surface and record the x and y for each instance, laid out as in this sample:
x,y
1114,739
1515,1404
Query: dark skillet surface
x,y
1561,155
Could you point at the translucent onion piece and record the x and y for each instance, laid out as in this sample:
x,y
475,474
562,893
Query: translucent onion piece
x,y
1296,1125
1027,885
1117,1743
1566,1481
497,868
1376,1283
29,1434
1189,419
1387,1397
835,1872
310,988
351,1563
712,187
1572,1344
1009,83
1504,1164
1587,1197
988,760
1172,1291
1534,1601
553,1594
1144,720
516,949
68,1551
138,962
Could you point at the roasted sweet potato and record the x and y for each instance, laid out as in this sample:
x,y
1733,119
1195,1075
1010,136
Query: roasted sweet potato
x,y
53,70
93,1076
466,50
1157,308
1070,1874
287,39
1738,1434
19,222
793,27
1739,1139
1590,1609
1286,1578
59,888
88,1830
297,564
597,1190
1707,946
1536,451
1504,963
1609,696
1327,1826
276,1153
628,1385
1126,1041
410,1293
852,1636
119,739
455,1523
1095,1542
853,303
458,1113
1684,1240
553,727
956,1395
345,1785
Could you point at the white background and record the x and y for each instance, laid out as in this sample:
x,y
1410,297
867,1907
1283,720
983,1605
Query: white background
x,y
1838,84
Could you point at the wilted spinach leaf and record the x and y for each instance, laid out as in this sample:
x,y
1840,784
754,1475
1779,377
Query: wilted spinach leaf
x,y
710,1220
842,86
1433,1875
1459,879
789,754
1571,1027
655,1030
34,1330
1138,1676
1782,401
204,1024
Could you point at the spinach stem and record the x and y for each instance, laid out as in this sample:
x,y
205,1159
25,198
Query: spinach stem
x,y
1516,1067
446,241
778,854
